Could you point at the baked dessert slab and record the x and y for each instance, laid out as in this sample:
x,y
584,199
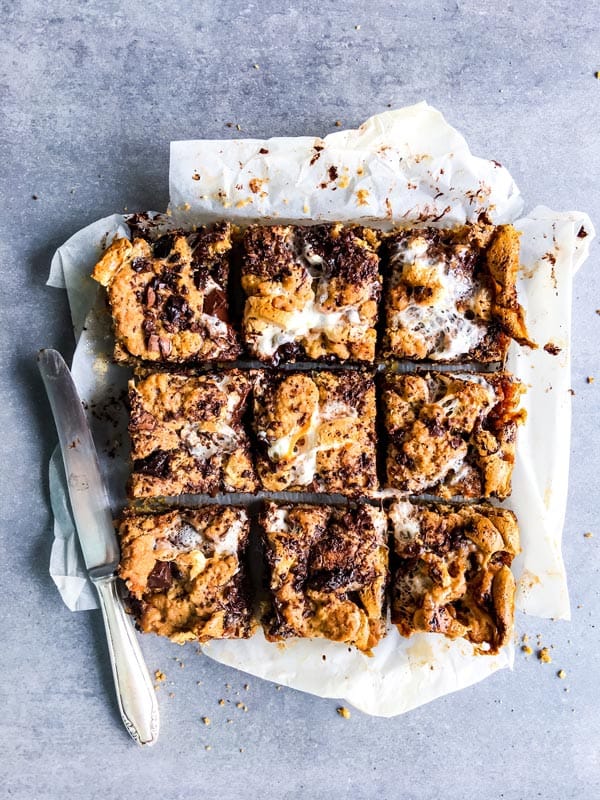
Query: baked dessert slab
x,y
315,432
451,294
450,571
451,435
327,573
184,570
312,292
168,295
188,436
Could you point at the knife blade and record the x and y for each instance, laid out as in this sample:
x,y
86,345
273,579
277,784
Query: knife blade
x,y
94,524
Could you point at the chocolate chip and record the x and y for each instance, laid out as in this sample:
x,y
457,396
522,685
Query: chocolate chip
x,y
157,464
215,304
161,576
163,246
141,265
165,346
153,343
150,296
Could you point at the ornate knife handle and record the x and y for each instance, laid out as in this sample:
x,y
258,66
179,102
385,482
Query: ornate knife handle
x,y
135,693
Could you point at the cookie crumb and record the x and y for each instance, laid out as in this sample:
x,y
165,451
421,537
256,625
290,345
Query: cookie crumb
x,y
221,702
338,123
343,712
357,27
238,127
526,649
171,694
561,674
588,535
206,720
246,686
160,676
544,655
589,379
552,348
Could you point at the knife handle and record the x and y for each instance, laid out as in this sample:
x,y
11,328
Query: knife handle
x,y
135,693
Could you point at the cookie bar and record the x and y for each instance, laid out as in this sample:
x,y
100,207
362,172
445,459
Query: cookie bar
x,y
328,570
311,292
451,435
184,570
187,434
315,432
451,294
168,296
451,571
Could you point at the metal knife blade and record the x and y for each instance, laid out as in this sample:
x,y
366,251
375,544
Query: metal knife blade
x,y
89,500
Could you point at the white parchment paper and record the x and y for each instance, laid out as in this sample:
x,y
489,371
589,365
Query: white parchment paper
x,y
399,167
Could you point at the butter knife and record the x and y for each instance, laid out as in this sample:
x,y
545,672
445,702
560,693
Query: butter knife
x,y
93,519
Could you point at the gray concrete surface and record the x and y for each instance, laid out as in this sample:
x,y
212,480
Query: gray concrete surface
x,y
90,95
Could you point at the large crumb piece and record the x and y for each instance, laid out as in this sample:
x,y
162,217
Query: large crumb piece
x,y
187,434
451,435
451,571
312,292
168,295
451,294
316,432
328,570
185,572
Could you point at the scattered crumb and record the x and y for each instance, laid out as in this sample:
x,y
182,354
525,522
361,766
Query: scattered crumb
x,y
256,66
228,686
238,127
357,27
552,348
241,749
160,676
338,123
524,638
246,686
544,655
221,702
343,712
588,535
206,720
181,664
242,706
572,392
589,379
597,75
561,674
195,177
526,649
229,721
207,747
198,683
35,197
278,688
171,694
598,311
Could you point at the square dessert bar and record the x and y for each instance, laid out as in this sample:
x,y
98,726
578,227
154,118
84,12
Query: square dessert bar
x,y
168,296
312,292
451,435
327,573
451,572
185,574
187,434
315,432
451,294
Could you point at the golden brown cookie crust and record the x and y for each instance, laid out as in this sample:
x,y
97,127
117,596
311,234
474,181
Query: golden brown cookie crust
x,y
451,294
168,297
451,435
451,571
316,432
312,292
328,571
187,434
184,570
